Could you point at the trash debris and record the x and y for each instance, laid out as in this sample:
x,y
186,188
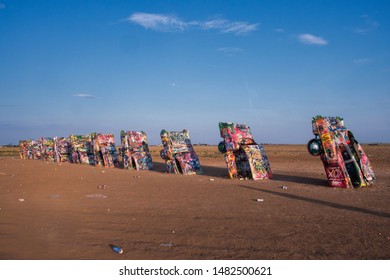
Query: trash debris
x,y
169,244
212,180
241,179
54,196
21,199
103,171
260,200
116,249
136,176
102,187
97,195
284,187
12,176
3,174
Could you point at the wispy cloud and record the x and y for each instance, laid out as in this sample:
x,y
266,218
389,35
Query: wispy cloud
x,y
84,95
230,51
157,22
2,6
310,39
279,30
361,61
169,23
367,26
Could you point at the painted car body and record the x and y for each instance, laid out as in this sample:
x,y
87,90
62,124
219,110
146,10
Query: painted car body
x,y
36,149
82,149
243,156
135,151
105,151
345,162
62,149
48,149
25,149
178,153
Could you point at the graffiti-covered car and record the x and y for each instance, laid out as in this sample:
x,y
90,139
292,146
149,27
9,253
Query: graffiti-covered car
x,y
345,162
36,149
178,153
62,149
135,151
105,151
82,149
48,149
25,152
243,156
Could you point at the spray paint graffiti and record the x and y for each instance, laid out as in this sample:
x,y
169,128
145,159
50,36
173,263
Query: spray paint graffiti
x,y
135,151
36,149
82,149
25,149
104,150
178,153
244,157
48,149
62,149
346,164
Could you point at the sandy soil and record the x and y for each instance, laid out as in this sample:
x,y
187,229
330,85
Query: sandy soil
x,y
52,211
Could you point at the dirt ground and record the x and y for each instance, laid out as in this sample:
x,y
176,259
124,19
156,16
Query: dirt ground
x,y
58,211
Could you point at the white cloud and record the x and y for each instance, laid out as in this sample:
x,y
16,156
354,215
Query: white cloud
x,y
84,95
159,22
361,61
312,40
239,28
230,51
368,25
213,24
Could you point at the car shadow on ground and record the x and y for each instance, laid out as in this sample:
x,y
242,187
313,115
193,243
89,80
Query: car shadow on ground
x,y
221,172
300,179
319,202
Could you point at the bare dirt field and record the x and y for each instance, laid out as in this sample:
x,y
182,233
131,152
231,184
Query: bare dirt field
x,y
58,211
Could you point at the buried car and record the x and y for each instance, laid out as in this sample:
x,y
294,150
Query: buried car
x,y
48,149
62,149
243,156
82,149
105,150
178,153
345,162
135,150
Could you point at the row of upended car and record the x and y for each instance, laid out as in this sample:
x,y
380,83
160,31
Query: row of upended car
x,y
344,160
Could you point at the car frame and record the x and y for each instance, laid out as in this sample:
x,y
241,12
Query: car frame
x,y
135,151
345,162
82,149
178,153
105,150
243,156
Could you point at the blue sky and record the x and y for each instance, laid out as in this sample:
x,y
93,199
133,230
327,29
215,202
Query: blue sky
x,y
81,66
